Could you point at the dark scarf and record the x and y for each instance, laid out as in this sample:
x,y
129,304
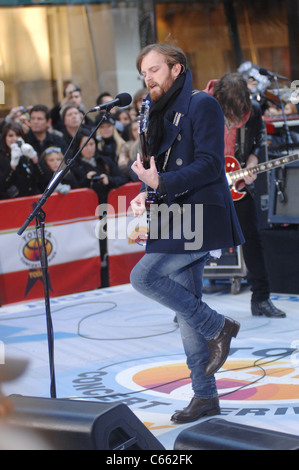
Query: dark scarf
x,y
157,113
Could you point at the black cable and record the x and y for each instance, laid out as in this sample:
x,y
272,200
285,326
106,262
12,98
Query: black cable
x,y
81,335
117,339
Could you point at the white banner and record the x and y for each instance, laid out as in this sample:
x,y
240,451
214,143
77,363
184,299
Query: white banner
x,y
64,243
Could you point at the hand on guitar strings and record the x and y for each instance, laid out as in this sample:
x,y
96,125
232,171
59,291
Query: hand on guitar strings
x,y
251,162
150,176
138,204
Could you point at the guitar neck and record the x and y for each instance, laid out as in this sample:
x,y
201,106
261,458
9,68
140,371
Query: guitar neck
x,y
144,151
269,165
143,122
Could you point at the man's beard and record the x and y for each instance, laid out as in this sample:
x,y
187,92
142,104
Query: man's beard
x,y
160,90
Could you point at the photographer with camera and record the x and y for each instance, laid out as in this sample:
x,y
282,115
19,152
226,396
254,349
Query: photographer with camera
x,y
20,170
18,114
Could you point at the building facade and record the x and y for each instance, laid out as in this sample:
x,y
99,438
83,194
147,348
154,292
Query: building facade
x,y
46,43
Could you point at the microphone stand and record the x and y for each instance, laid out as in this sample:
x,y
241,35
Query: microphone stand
x,y
278,182
40,218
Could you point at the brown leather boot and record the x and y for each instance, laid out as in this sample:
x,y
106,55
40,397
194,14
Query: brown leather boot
x,y
219,346
197,408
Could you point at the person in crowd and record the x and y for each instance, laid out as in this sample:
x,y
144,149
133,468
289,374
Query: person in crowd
x,y
72,120
134,141
123,116
133,113
138,98
109,139
20,170
290,108
244,139
123,119
104,98
272,110
187,173
52,161
134,130
19,114
72,95
76,100
125,163
39,135
94,170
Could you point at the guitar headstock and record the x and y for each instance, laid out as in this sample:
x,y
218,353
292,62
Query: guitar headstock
x,y
143,116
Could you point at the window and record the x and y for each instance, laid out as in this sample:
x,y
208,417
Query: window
x,y
44,47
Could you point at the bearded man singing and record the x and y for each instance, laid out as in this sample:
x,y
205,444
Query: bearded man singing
x,y
186,146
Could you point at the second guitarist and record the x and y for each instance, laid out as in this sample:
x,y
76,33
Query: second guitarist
x,y
244,137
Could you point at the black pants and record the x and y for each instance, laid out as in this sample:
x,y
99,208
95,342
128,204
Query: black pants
x,y
253,249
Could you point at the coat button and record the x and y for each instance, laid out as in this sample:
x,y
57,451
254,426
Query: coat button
x,y
179,162
179,137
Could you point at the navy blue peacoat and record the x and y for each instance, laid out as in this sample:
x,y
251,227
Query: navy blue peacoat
x,y
197,211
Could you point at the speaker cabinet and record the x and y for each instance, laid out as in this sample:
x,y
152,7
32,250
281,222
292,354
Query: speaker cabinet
x,y
219,434
284,195
281,248
81,425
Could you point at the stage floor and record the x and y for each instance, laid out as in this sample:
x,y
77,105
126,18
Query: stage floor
x,y
113,345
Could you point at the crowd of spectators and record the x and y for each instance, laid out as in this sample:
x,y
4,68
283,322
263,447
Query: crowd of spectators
x,y
37,141
34,137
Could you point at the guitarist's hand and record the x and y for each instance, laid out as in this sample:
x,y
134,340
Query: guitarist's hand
x,y
150,177
251,162
138,204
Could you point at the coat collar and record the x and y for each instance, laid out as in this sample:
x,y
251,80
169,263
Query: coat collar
x,y
180,106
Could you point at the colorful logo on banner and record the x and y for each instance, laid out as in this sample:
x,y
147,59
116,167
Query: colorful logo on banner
x,y
30,255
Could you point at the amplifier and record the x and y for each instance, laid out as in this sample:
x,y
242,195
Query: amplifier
x,y
229,266
284,195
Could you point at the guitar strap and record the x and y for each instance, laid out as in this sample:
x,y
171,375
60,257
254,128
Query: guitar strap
x,y
242,139
176,121
241,153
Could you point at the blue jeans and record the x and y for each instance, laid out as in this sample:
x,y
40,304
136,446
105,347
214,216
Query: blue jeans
x,y
175,281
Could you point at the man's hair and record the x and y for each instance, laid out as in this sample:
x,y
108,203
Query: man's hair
x,y
173,55
101,96
10,126
41,107
233,95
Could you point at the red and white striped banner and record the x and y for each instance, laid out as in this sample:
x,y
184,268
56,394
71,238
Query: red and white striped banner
x,y
72,247
123,233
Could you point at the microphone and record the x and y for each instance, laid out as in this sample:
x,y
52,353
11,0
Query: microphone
x,y
121,100
271,74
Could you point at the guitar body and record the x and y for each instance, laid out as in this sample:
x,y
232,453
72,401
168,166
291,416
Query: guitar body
x,y
235,174
231,165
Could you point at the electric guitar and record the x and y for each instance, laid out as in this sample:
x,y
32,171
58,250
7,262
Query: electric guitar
x,y
143,123
235,174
